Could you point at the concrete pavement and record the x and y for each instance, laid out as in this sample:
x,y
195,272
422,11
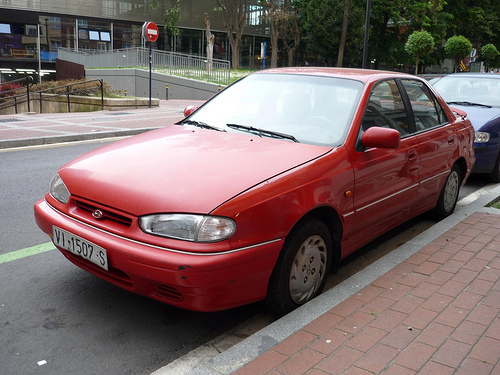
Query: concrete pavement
x,y
37,129
432,306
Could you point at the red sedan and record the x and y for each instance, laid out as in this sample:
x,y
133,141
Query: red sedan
x,y
259,193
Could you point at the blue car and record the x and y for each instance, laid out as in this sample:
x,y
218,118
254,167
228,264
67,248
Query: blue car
x,y
478,94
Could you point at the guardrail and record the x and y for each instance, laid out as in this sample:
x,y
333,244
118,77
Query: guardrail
x,y
189,66
21,95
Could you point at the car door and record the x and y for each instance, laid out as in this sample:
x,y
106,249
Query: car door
x,y
386,180
437,142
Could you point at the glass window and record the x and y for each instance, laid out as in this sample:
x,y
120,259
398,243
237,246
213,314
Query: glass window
x,y
105,36
385,109
93,35
83,34
55,23
427,111
31,30
315,110
4,28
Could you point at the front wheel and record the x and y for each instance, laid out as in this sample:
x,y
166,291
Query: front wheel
x,y
302,268
449,195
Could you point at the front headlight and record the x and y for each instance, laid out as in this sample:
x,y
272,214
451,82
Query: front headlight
x,y
481,137
196,228
58,190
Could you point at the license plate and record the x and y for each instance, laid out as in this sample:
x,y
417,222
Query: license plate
x,y
80,247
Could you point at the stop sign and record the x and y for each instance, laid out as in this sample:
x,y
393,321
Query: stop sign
x,y
150,31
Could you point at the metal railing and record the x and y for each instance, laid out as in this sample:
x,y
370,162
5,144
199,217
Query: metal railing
x,y
18,96
189,66
15,96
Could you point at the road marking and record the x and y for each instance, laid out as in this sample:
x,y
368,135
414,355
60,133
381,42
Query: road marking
x,y
23,253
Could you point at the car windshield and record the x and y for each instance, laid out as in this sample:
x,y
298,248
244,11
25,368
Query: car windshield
x,y
470,90
299,108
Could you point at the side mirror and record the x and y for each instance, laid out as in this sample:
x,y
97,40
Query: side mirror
x,y
376,137
189,110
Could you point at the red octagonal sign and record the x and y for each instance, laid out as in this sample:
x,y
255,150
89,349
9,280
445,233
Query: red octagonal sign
x,y
150,31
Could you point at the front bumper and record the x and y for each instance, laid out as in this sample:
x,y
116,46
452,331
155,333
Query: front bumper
x,y
486,157
194,281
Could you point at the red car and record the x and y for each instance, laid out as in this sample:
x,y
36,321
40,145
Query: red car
x,y
260,192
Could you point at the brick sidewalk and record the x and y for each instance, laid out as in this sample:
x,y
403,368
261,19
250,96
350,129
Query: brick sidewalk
x,y
436,313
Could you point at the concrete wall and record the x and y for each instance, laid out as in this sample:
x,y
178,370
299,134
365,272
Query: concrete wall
x,y
59,104
136,83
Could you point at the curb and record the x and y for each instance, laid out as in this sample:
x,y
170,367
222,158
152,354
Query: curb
x,y
24,142
249,349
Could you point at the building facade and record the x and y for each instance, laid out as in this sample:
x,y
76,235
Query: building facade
x,y
107,25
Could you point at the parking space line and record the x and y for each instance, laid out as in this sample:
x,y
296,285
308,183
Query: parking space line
x,y
23,253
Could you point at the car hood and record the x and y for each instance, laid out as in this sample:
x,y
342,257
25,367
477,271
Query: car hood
x,y
180,169
479,116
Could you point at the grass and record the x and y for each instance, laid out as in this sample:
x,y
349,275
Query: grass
x,y
495,204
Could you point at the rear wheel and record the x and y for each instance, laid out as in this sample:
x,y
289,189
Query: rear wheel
x,y
302,268
449,195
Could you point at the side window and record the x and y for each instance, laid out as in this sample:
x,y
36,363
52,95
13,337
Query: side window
x,y
385,109
426,109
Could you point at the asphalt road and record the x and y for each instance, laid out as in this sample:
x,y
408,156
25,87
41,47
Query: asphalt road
x,y
52,311
58,319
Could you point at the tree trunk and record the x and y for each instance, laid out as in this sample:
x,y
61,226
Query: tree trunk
x,y
274,45
343,37
210,44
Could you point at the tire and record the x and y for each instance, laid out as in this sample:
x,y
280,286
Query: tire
x,y
302,267
449,195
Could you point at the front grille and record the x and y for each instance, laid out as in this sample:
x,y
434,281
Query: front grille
x,y
107,214
168,293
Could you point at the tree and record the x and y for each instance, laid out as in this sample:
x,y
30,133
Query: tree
x,y
234,12
322,20
420,43
292,33
284,26
171,16
488,53
458,48
479,20
276,17
392,21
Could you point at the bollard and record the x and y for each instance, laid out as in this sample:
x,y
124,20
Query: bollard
x,y
166,91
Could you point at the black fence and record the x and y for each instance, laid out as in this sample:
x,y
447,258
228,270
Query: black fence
x,y
19,92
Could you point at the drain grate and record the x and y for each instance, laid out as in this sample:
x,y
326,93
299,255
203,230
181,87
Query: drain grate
x,y
118,113
9,120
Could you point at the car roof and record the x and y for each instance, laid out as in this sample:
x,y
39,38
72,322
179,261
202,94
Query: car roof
x,y
364,75
475,75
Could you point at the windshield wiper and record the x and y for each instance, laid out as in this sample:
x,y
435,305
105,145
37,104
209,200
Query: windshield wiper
x,y
471,104
200,124
262,132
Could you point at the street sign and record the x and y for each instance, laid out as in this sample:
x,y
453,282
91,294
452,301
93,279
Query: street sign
x,y
150,31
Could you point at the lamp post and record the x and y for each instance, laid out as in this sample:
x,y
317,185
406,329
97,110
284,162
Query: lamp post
x,y
39,54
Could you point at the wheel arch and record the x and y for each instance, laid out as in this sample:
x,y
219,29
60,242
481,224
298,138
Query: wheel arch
x,y
462,165
329,216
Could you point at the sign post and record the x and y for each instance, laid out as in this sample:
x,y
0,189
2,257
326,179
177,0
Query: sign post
x,y
263,54
150,33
